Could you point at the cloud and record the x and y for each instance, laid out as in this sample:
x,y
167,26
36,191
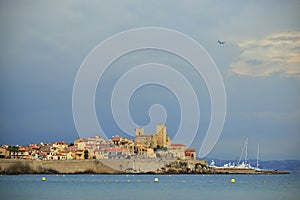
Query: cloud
x,y
276,53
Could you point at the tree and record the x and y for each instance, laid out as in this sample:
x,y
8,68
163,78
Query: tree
x,y
13,149
86,154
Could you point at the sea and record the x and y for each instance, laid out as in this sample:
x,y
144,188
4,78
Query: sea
x,y
143,187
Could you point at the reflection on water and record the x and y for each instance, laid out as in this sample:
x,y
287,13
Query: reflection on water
x,y
144,187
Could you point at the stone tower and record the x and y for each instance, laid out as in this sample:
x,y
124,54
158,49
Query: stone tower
x,y
139,131
161,135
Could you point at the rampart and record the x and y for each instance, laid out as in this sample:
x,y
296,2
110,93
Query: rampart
x,y
11,166
117,166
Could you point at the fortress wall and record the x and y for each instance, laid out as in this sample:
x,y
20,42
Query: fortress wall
x,y
80,166
47,166
140,165
108,166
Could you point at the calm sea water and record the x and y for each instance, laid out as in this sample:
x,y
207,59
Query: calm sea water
x,y
143,187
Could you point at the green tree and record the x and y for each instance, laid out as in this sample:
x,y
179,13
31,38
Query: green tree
x,y
86,154
14,150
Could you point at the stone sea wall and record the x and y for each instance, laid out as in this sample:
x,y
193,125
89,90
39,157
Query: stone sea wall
x,y
10,166
136,165
104,166
117,166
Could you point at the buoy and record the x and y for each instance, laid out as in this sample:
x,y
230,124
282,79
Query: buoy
x,y
156,180
43,178
232,180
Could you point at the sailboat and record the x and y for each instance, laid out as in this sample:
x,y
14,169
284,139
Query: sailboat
x,y
244,164
257,158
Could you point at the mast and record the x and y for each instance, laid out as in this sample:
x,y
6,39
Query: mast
x,y
246,150
257,157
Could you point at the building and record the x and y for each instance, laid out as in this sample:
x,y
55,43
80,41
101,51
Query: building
x,y
80,143
3,152
144,152
156,141
177,150
56,156
190,154
79,154
115,152
126,144
60,146
96,141
100,154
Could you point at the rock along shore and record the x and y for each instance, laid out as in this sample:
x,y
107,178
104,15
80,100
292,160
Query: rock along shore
x,y
11,166
201,167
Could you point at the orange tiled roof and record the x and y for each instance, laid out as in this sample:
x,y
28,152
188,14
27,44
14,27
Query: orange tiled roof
x,y
187,154
116,139
33,146
177,145
22,149
60,143
125,140
115,149
98,150
190,150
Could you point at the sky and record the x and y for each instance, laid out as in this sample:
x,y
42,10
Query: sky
x,y
44,43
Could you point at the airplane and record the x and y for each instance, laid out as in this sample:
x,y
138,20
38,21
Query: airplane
x,y
221,42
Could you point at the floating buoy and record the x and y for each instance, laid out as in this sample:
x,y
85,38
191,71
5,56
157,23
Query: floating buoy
x,y
232,180
43,178
156,180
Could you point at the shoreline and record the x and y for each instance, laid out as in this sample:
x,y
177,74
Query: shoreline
x,y
16,166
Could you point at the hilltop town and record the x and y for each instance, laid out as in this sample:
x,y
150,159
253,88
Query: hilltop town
x,y
147,153
145,146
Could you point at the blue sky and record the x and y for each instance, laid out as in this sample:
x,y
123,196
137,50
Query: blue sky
x,y
43,44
